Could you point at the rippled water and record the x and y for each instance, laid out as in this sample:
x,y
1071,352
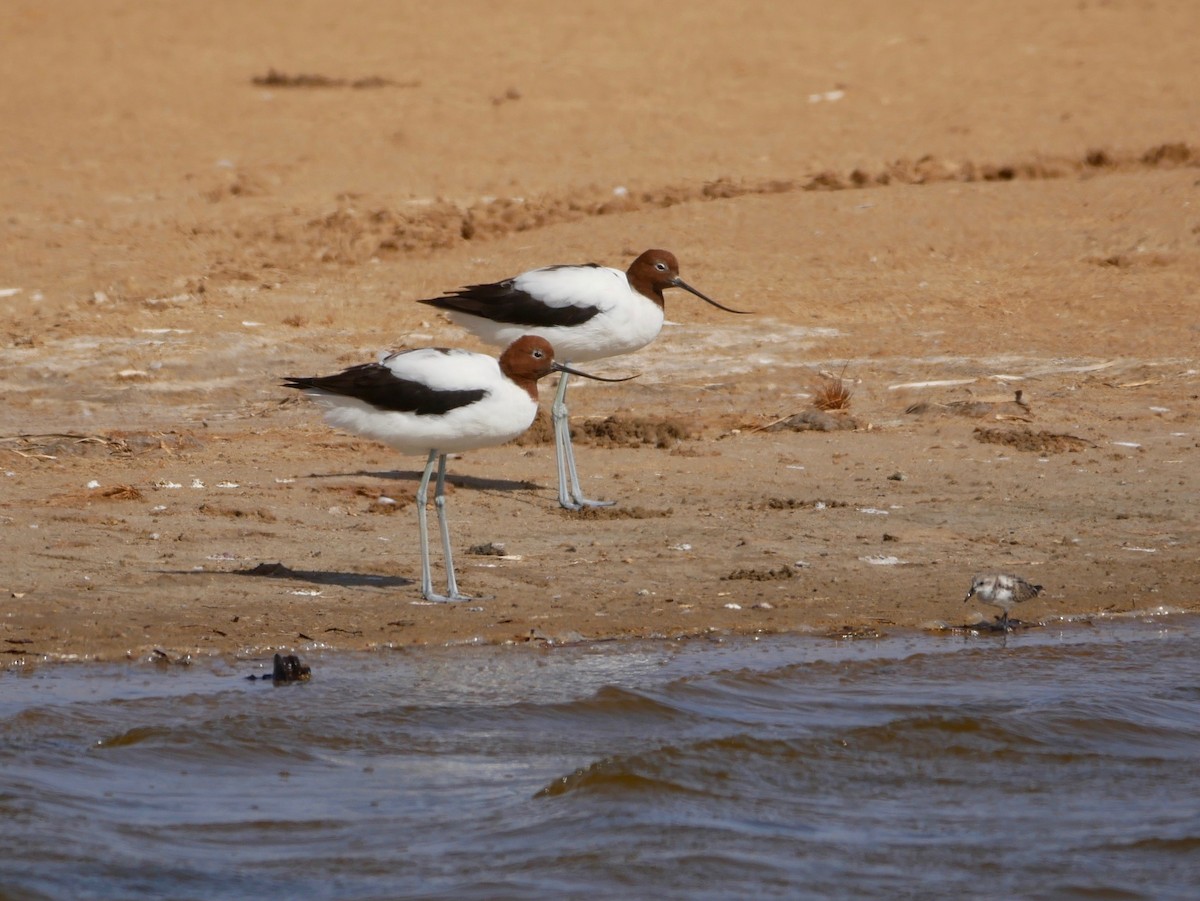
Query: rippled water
x,y
1064,763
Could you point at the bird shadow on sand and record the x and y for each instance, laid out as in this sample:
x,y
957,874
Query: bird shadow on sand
x,y
310,576
476,483
324,577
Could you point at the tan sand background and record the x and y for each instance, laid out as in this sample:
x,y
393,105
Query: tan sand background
x,y
198,198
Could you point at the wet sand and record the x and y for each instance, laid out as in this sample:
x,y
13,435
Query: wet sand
x,y
936,210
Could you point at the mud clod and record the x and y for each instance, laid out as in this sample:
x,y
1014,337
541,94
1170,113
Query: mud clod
x,y
814,421
761,575
1037,442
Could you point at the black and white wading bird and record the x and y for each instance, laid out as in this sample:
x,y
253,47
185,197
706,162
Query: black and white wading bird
x,y
438,401
586,312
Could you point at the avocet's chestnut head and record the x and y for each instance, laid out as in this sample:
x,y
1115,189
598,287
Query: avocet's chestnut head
x,y
531,357
656,270
527,359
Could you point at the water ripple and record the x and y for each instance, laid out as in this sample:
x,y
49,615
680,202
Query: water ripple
x,y
1056,765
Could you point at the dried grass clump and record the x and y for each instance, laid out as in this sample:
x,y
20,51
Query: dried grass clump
x,y
832,392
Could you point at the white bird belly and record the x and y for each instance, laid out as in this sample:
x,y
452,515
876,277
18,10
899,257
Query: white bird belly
x,y
620,329
504,414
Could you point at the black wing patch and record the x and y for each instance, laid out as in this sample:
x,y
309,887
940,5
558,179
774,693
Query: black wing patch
x,y
375,384
501,302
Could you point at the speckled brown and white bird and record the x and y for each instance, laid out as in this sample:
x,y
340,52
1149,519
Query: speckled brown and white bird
x,y
1002,590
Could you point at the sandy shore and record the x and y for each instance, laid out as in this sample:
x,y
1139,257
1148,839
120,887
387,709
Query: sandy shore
x,y
938,210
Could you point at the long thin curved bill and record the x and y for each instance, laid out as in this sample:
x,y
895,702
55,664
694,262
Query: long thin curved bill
x,y
562,367
680,283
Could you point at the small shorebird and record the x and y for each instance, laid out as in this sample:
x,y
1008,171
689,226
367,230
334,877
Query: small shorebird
x,y
438,401
1002,590
586,312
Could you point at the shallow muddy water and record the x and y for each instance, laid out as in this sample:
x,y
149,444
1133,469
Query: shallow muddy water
x,y
1063,762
